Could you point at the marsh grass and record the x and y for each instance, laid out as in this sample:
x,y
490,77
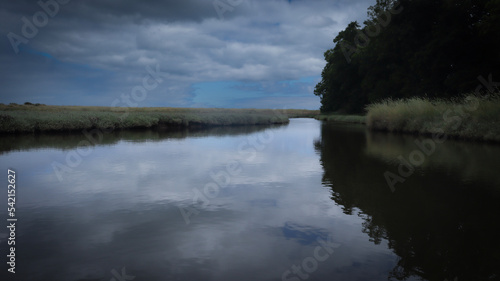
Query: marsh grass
x,y
468,117
31,118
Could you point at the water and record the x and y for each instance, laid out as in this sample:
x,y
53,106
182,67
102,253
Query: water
x,y
305,201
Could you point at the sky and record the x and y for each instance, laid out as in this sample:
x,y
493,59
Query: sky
x,y
174,53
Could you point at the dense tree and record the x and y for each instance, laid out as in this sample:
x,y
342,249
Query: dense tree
x,y
412,48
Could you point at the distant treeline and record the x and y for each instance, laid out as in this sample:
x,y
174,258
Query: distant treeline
x,y
413,48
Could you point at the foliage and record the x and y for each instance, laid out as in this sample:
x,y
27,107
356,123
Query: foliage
x,y
411,48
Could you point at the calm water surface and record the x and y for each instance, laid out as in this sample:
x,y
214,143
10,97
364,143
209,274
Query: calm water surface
x,y
305,201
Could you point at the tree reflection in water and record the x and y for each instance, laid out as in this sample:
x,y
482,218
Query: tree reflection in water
x,y
442,221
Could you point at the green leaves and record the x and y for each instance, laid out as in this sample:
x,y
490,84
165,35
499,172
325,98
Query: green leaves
x,y
411,48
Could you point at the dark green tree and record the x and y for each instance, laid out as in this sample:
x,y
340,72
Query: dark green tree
x,y
411,48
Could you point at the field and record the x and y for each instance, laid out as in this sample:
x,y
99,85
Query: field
x,y
468,117
44,118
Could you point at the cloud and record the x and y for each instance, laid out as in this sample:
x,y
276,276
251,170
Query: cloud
x,y
266,42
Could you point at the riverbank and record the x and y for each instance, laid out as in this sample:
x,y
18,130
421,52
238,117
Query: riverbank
x,y
470,117
46,118
357,119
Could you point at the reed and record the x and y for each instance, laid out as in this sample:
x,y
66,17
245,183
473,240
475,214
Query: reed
x,y
467,117
40,118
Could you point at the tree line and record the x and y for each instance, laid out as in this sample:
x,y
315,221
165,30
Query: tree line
x,y
412,48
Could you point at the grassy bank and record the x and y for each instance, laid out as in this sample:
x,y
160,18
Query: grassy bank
x,y
40,118
469,117
358,119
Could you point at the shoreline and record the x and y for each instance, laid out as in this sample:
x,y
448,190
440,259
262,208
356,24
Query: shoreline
x,y
46,118
470,118
353,119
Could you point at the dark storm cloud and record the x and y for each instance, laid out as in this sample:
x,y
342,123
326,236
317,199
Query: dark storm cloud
x,y
93,51
109,10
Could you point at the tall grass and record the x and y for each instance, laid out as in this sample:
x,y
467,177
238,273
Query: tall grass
x,y
469,117
30,118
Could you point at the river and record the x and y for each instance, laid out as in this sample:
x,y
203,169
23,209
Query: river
x,y
303,201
